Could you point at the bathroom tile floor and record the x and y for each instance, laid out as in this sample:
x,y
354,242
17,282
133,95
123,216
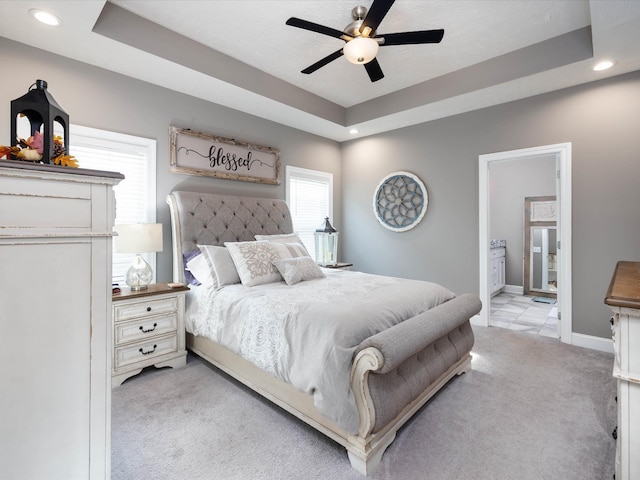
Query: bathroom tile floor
x,y
518,312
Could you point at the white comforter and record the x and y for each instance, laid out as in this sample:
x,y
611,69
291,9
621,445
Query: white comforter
x,y
306,334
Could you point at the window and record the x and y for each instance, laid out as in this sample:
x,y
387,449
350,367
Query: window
x,y
309,195
135,158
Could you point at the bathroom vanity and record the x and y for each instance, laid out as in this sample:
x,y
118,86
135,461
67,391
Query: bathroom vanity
x,y
497,259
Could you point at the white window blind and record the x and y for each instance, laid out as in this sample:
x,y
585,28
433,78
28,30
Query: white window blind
x,y
310,198
135,158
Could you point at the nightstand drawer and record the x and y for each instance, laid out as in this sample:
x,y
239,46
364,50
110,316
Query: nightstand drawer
x,y
144,328
145,308
145,350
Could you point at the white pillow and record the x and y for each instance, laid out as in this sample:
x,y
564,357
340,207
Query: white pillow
x,y
298,269
199,268
220,265
283,238
254,262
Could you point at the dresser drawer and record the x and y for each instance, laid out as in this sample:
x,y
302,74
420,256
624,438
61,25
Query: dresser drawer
x,y
145,308
144,328
40,203
141,351
497,252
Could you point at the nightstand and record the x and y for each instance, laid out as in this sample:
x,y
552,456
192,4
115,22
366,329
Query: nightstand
x,y
339,266
148,329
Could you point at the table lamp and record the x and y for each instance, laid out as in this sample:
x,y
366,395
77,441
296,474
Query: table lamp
x,y
139,238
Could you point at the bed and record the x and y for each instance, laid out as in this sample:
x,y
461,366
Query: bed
x,y
390,371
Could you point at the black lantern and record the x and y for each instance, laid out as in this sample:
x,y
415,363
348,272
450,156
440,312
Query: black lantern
x,y
40,108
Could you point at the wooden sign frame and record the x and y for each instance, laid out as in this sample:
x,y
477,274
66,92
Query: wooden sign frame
x,y
197,153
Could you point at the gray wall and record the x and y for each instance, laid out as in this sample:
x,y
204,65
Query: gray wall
x,y
97,98
601,119
510,182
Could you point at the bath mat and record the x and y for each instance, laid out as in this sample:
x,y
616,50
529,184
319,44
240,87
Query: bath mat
x,y
548,300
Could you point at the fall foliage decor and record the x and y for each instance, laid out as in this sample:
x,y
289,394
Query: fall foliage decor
x,y
30,150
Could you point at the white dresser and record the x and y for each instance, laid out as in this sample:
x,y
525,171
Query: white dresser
x,y
623,298
55,321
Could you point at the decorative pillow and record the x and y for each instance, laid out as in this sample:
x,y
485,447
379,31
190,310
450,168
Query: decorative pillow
x,y
299,269
283,238
188,276
289,250
254,262
220,264
199,269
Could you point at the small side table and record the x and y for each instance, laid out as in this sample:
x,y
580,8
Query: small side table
x,y
339,266
148,329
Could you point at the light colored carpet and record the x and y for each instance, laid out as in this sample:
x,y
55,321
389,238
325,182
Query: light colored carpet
x,y
531,409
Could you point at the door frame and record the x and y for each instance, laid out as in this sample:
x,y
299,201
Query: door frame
x,y
562,152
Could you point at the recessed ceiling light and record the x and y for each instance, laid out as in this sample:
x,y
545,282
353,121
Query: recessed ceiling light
x,y
605,64
45,17
353,131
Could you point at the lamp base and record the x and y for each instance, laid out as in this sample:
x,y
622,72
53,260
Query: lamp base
x,y
139,275
136,288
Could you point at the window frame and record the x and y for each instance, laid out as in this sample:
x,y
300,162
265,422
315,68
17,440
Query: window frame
x,y
313,175
148,145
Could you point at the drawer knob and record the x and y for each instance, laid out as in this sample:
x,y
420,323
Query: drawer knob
x,y
148,309
148,351
149,329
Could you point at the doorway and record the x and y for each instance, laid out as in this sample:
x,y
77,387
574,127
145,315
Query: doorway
x,y
562,153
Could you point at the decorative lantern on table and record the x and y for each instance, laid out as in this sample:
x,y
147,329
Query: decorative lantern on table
x,y
42,111
326,244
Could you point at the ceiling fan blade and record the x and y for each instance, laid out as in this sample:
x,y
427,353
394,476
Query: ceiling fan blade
x,y
323,62
376,13
315,27
374,70
409,38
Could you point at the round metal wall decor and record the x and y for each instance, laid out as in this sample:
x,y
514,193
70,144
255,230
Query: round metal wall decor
x,y
400,201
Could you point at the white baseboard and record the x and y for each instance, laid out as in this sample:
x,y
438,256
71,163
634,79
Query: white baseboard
x,y
594,343
514,289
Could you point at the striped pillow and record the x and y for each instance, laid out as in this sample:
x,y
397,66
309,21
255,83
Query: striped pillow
x,y
289,250
284,238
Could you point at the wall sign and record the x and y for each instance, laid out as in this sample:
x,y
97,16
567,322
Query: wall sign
x,y
196,153
543,211
400,201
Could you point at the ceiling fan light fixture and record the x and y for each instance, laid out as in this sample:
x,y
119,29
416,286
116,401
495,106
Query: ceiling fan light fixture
x,y
361,50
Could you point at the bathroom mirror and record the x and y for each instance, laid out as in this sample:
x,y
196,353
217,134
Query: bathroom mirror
x,y
540,247
543,260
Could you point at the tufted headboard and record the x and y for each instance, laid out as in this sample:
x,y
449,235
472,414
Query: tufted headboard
x,y
212,219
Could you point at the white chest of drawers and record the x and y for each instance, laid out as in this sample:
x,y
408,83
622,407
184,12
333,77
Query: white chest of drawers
x,y
148,329
623,298
55,330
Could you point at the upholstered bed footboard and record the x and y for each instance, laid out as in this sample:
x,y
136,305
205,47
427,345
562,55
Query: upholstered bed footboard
x,y
404,361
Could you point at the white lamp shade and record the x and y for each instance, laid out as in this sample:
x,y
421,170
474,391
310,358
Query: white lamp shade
x,y
139,238
361,50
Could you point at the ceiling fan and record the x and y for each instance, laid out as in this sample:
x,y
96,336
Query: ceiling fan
x,y
362,42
